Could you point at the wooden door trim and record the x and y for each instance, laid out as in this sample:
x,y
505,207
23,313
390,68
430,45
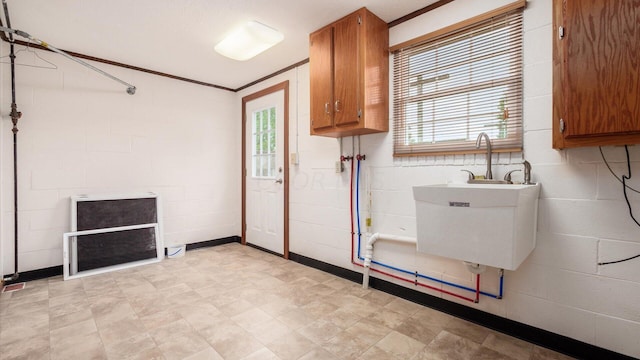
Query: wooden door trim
x,y
272,89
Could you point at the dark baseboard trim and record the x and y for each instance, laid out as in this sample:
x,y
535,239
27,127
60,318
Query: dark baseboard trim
x,y
265,250
216,242
326,267
38,274
544,338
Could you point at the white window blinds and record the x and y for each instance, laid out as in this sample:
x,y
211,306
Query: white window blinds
x,y
453,86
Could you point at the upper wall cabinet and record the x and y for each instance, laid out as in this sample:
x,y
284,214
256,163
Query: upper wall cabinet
x,y
596,73
349,74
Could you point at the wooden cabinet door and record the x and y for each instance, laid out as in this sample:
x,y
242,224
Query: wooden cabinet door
x,y
599,75
347,70
321,78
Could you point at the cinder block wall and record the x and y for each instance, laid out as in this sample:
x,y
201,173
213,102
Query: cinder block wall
x,y
583,217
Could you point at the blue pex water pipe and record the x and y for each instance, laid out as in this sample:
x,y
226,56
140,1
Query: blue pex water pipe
x,y
414,273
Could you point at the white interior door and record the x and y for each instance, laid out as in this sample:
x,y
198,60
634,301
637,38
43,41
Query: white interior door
x,y
265,171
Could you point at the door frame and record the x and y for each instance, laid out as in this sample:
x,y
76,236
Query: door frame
x,y
272,89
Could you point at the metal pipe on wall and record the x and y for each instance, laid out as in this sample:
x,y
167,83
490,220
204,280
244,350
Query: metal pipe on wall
x,y
15,116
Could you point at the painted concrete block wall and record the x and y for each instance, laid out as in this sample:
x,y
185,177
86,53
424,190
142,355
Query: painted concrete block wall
x,y
583,218
80,133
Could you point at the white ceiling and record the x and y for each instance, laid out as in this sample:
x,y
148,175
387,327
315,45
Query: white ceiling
x,y
177,36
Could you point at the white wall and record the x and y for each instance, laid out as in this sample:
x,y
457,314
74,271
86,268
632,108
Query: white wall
x,y
81,133
583,218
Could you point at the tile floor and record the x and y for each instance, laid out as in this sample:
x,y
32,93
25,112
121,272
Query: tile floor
x,y
234,302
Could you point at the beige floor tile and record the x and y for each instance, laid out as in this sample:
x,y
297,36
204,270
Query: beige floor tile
x,y
419,329
206,354
346,346
278,307
540,353
165,332
319,353
467,330
270,331
400,345
318,309
120,331
202,320
342,318
388,318
403,306
148,303
320,331
379,297
262,354
182,345
235,302
448,346
433,317
375,353
158,319
63,334
368,331
234,344
17,307
35,348
105,315
81,347
24,326
70,303
484,353
236,307
295,319
65,288
510,346
150,354
132,346
252,318
291,346
60,321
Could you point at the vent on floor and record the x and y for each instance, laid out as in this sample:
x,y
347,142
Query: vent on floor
x,y
13,287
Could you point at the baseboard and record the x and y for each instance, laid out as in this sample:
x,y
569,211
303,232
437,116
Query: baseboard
x,y
38,274
544,338
216,242
265,250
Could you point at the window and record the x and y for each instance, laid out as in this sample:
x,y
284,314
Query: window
x,y
453,86
264,143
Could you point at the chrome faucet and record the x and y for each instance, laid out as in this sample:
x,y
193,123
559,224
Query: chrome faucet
x,y
488,175
527,173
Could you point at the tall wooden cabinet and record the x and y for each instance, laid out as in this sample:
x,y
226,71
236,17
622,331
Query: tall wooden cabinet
x,y
596,73
349,75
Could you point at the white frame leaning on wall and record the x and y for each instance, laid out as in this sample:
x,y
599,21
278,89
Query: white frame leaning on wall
x,y
69,249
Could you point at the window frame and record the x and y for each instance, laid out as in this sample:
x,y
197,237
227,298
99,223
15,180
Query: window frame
x,y
458,33
260,156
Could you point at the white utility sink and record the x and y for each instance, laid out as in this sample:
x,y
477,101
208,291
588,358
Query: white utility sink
x,y
488,224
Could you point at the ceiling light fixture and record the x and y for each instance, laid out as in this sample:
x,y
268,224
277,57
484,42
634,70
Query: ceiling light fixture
x,y
248,41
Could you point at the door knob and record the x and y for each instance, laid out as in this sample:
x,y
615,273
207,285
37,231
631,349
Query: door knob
x,y
279,181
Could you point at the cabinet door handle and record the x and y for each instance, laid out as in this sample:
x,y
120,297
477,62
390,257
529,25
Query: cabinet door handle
x,y
336,106
326,108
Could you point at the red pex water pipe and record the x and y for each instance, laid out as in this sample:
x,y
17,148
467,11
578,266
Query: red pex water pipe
x,y
415,282
351,215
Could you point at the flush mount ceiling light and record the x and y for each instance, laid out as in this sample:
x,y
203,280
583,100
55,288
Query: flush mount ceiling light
x,y
248,41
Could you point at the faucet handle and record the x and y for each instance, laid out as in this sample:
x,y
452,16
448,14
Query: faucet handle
x,y
471,176
507,176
